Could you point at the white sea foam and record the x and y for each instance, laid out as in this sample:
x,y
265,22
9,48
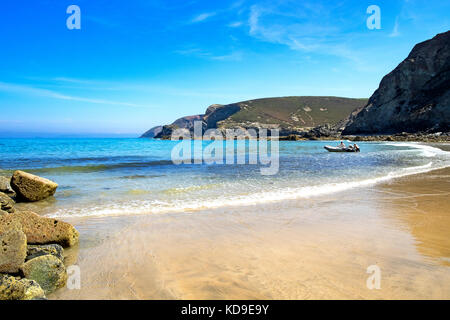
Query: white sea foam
x,y
425,151
276,195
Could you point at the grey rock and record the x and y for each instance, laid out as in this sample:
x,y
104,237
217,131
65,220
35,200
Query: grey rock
x,y
182,123
217,112
414,97
153,132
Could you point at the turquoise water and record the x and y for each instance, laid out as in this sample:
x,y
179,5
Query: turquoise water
x,y
101,177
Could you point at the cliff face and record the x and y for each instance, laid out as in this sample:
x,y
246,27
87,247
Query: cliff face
x,y
218,112
152,132
187,122
414,97
181,123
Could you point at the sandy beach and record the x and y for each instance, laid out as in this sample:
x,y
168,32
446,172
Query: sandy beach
x,y
199,150
316,248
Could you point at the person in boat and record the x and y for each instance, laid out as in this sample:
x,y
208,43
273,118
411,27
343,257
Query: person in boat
x,y
356,147
342,145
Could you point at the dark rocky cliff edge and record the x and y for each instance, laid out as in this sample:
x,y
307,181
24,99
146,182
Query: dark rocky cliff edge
x,y
414,97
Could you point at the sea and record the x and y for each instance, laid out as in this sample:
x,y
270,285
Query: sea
x,y
118,177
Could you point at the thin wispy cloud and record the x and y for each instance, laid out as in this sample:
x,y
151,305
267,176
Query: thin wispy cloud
x,y
202,17
235,24
234,56
72,80
137,88
200,53
33,91
395,32
309,28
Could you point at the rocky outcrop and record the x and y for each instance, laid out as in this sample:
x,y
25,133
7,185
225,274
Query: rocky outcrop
x,y
13,250
8,223
12,288
182,123
290,115
42,263
32,188
34,251
47,270
214,114
217,112
5,187
6,203
414,97
187,122
323,131
42,230
31,253
153,132
437,137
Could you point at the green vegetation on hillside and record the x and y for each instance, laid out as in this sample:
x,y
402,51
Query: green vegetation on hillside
x,y
300,112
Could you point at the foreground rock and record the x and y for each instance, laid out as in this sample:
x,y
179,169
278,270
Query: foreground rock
x,y
34,251
5,187
9,223
6,203
48,271
32,188
12,288
13,250
414,97
42,230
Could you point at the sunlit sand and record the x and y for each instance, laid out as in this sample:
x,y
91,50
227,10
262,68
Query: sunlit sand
x,y
318,248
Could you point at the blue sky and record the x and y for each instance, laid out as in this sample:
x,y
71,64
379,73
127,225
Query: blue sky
x,y
140,63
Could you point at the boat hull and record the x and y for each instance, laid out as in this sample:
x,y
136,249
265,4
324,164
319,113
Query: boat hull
x,y
337,149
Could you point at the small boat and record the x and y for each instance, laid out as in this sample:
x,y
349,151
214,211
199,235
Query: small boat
x,y
339,149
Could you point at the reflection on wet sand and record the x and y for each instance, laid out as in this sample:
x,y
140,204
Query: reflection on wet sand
x,y
422,204
318,248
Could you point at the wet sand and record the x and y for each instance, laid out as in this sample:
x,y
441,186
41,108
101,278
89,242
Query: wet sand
x,y
317,248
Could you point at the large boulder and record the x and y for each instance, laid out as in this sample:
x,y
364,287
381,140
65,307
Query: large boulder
x,y
34,251
48,271
42,230
13,250
12,288
6,203
32,188
414,97
5,186
8,222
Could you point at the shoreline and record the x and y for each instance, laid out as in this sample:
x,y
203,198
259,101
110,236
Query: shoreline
x,y
426,138
261,198
296,249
